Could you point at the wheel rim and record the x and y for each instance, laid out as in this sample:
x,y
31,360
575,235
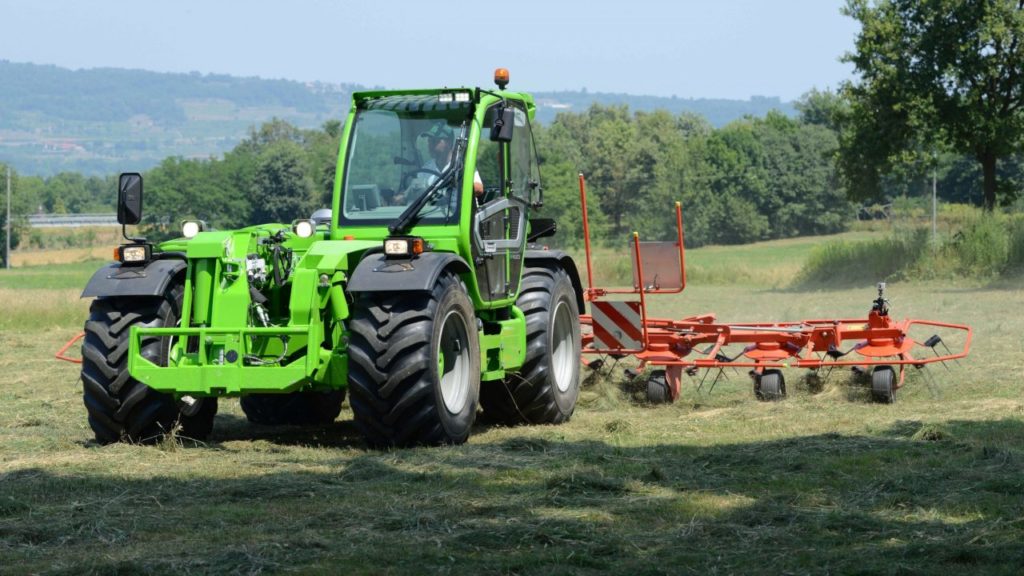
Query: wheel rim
x,y
453,361
562,348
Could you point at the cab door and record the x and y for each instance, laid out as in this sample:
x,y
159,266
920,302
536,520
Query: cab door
x,y
508,171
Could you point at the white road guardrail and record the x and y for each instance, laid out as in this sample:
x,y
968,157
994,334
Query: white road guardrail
x,y
71,220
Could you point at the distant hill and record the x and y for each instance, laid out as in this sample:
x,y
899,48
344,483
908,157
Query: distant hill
x,y
106,120
718,112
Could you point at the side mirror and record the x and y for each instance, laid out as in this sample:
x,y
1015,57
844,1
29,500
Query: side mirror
x,y
501,130
129,198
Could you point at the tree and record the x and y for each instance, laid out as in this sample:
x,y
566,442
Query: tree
x,y
180,189
934,70
282,188
20,206
823,108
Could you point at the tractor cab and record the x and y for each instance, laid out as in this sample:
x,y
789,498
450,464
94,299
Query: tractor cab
x,y
456,168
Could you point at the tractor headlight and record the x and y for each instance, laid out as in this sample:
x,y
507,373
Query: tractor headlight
x,y
190,228
132,253
304,228
398,247
403,246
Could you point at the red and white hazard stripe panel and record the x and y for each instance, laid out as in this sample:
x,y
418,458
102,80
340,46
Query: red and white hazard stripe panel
x,y
617,325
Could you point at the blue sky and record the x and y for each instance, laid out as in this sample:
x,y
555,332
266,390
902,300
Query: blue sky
x,y
713,49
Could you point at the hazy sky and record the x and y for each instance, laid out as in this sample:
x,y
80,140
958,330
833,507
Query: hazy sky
x,y
711,48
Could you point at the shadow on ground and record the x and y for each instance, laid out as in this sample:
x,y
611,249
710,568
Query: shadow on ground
x,y
913,499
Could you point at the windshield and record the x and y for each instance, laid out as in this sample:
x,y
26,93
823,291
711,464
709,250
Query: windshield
x,y
399,153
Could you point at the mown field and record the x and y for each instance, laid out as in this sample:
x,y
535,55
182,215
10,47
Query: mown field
x,y
823,482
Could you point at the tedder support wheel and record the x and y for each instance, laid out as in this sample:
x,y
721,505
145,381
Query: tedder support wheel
x,y
414,365
120,407
296,408
545,389
657,388
883,379
770,385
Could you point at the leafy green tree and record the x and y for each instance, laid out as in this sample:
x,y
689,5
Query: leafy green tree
x,y
606,141
668,167
21,204
948,70
182,189
323,158
559,164
282,187
823,108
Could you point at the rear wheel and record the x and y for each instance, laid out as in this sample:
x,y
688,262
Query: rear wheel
x,y
120,407
657,388
414,365
297,408
545,389
770,386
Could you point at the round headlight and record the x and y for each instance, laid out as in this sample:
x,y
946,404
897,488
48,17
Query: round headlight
x,y
190,228
304,228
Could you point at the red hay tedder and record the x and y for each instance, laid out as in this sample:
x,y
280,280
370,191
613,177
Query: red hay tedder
x,y
619,326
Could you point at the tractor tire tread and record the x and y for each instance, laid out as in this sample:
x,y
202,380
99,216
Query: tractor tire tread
x,y
390,376
118,406
527,397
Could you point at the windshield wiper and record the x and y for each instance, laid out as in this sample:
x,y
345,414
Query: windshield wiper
x,y
411,213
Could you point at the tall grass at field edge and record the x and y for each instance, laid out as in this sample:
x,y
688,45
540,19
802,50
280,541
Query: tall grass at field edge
x,y
979,246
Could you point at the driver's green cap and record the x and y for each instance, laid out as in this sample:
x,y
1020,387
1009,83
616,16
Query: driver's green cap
x,y
439,131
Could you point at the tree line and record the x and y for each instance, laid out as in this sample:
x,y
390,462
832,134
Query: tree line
x,y
754,179
937,94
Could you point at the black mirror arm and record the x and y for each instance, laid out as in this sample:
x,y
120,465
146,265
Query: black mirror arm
x,y
124,232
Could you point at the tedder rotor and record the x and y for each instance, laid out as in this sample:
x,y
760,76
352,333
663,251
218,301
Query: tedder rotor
x,y
618,326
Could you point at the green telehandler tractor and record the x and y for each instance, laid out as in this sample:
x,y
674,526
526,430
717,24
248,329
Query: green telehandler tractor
x,y
420,293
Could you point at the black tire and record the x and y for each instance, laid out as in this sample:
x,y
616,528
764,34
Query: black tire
x,y
770,386
121,408
196,417
546,388
657,388
414,365
295,409
883,379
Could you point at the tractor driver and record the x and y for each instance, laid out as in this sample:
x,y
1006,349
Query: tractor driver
x,y
440,145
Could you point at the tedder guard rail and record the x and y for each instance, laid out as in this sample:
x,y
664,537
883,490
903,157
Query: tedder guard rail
x,y
621,327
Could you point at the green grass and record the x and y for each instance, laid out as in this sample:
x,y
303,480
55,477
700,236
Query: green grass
x,y
63,276
970,244
823,482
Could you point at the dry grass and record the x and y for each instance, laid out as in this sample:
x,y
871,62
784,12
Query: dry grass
x,y
823,482
20,258
40,308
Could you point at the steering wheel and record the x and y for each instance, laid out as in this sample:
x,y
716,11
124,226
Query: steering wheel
x,y
416,171
408,176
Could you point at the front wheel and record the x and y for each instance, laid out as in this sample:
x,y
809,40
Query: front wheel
x,y
414,365
120,407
